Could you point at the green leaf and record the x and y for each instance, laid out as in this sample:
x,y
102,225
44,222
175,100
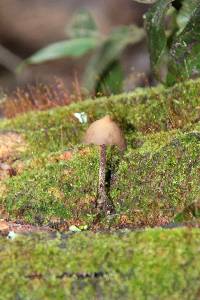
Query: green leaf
x,y
145,1
82,25
109,52
111,80
185,12
184,55
74,48
155,27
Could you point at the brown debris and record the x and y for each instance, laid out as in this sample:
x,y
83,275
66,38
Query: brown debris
x,y
67,155
6,171
11,144
4,227
36,97
7,226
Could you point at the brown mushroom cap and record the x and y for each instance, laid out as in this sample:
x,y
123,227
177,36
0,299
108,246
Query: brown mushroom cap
x,y
105,132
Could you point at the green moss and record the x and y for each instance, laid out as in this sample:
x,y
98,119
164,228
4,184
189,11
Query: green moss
x,y
161,182
54,187
155,180
146,110
154,264
150,183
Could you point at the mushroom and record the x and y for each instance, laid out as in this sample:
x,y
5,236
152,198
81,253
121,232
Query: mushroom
x,y
104,132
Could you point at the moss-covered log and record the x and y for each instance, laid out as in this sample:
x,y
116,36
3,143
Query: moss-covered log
x,y
149,184
154,264
155,180
145,110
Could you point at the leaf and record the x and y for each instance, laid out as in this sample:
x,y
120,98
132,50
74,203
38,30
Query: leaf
x,y
185,12
184,55
82,25
74,48
109,52
155,27
145,1
111,80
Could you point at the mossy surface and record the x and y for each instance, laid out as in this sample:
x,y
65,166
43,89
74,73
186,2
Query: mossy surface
x,y
155,179
147,185
151,264
145,110
154,183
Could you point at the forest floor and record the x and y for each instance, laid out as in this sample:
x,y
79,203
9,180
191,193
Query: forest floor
x,y
149,247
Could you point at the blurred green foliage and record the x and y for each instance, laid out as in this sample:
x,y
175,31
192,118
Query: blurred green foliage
x,y
173,31
103,73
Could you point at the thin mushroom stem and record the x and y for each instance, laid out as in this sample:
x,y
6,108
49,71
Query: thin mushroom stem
x,y
102,197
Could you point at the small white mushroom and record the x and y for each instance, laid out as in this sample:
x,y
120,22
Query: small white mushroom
x,y
104,132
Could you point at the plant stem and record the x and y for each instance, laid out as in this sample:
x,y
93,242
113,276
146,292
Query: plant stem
x,y
102,197
8,59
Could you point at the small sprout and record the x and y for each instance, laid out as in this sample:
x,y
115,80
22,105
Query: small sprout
x,y
104,132
81,116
